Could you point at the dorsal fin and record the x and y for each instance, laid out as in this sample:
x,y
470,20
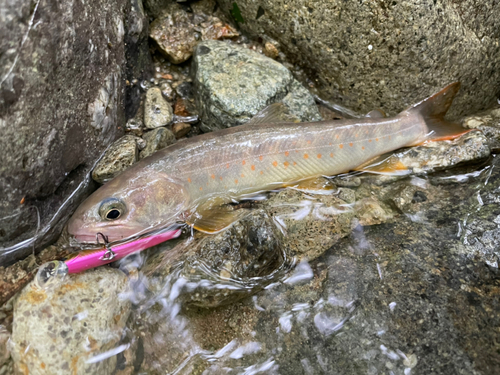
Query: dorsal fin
x,y
274,113
433,109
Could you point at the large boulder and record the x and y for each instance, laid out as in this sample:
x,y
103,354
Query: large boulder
x,y
62,75
232,84
379,54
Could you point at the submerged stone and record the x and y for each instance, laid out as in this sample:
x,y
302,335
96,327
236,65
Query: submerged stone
x,y
489,123
62,329
232,84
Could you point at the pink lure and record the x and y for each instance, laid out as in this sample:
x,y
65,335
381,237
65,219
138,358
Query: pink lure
x,y
87,259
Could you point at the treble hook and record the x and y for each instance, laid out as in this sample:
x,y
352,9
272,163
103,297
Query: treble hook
x,y
109,254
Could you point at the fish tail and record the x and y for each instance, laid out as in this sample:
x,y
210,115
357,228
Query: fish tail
x,y
433,109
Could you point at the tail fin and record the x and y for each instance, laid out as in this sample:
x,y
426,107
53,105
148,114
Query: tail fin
x,y
433,110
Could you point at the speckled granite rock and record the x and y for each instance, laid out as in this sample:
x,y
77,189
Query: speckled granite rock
x,y
232,84
156,139
489,123
61,329
61,104
120,155
157,111
386,55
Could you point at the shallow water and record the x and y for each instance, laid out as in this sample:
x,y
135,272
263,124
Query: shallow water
x,y
416,295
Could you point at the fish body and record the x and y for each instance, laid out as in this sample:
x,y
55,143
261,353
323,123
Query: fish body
x,y
214,168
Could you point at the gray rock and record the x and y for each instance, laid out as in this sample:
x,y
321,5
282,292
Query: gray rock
x,y
62,328
157,111
118,157
489,123
232,84
61,99
225,267
4,350
366,58
156,140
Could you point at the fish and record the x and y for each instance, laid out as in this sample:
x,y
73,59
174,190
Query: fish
x,y
193,180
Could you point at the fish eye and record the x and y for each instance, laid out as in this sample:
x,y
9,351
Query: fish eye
x,y
112,209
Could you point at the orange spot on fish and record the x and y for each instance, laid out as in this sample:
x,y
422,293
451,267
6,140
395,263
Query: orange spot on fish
x,y
341,145
242,175
306,156
363,147
236,181
243,162
261,157
331,154
294,163
329,144
319,156
275,163
350,144
201,188
356,136
389,137
261,172
369,140
287,153
213,177
376,139
308,142
337,136
220,178
286,164
227,165
189,180
253,167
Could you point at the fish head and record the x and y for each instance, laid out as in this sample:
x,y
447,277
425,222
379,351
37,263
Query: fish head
x,y
128,206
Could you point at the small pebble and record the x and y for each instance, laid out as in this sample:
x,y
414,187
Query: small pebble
x,y
156,140
270,50
181,129
157,111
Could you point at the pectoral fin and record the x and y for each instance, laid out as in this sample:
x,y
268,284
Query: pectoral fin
x,y
215,219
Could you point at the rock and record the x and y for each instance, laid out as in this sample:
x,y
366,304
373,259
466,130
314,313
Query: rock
x,y
134,127
177,32
371,211
61,101
157,111
181,129
489,123
270,50
365,58
64,327
225,267
312,224
167,91
120,155
232,84
156,140
4,351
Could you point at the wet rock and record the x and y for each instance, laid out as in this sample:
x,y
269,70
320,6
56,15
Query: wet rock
x,y
232,84
167,91
120,155
225,267
157,111
178,32
181,129
64,327
489,123
61,97
371,211
365,58
134,127
312,224
156,139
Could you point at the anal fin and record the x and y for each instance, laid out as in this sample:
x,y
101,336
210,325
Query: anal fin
x,y
315,185
387,164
